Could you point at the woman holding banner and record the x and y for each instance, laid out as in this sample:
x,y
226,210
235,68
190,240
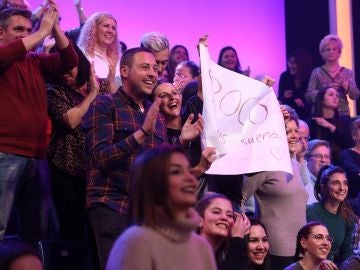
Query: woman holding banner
x,y
281,202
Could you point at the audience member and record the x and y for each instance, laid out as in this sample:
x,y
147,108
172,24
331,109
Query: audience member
x,y
99,42
229,59
318,154
118,127
162,237
331,209
224,229
327,124
185,73
331,74
350,160
257,247
68,100
16,255
313,244
351,263
293,83
176,132
178,54
23,168
280,202
21,4
159,45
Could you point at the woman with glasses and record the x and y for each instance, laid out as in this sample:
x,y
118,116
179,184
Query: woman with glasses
x,y
313,244
327,124
331,189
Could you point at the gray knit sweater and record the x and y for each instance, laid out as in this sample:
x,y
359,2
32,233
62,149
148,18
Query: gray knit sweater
x,y
174,246
280,205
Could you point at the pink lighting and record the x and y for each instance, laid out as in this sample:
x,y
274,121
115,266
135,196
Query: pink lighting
x,y
255,28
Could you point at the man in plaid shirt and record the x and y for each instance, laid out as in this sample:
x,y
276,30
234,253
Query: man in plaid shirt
x,y
118,127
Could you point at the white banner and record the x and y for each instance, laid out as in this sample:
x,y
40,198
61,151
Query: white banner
x,y
243,122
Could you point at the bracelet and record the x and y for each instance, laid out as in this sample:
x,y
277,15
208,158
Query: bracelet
x,y
145,133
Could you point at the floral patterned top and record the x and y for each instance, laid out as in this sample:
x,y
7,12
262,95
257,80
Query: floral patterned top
x,y
321,78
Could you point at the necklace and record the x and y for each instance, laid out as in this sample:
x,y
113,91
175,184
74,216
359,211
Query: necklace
x,y
332,70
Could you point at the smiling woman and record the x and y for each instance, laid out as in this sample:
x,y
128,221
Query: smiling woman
x,y
313,244
163,192
99,41
331,189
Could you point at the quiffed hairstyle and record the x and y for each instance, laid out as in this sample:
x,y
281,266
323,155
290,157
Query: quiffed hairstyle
x,y
149,198
154,41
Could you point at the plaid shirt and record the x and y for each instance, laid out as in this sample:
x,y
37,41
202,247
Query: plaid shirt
x,y
109,125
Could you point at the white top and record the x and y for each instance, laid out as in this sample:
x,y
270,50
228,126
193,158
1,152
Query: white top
x,y
101,66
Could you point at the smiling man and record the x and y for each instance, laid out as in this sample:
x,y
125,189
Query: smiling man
x,y
24,177
118,128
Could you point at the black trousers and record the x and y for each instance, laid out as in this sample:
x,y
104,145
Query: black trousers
x,y
107,225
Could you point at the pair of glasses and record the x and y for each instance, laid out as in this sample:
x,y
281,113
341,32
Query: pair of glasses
x,y
320,157
320,237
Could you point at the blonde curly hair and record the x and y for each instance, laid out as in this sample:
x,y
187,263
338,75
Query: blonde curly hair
x,y
87,38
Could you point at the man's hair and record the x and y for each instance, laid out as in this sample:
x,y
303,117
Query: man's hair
x,y
7,13
154,41
128,56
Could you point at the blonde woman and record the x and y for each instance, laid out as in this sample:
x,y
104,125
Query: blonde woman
x,y
331,74
99,41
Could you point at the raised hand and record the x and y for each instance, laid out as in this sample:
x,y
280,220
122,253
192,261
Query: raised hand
x,y
151,116
48,43
190,131
180,85
48,20
241,225
94,83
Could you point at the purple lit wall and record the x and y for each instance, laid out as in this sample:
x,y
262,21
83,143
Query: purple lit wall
x,y
255,28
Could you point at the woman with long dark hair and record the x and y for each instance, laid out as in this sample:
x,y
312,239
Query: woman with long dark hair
x,y
162,237
327,124
294,81
331,189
